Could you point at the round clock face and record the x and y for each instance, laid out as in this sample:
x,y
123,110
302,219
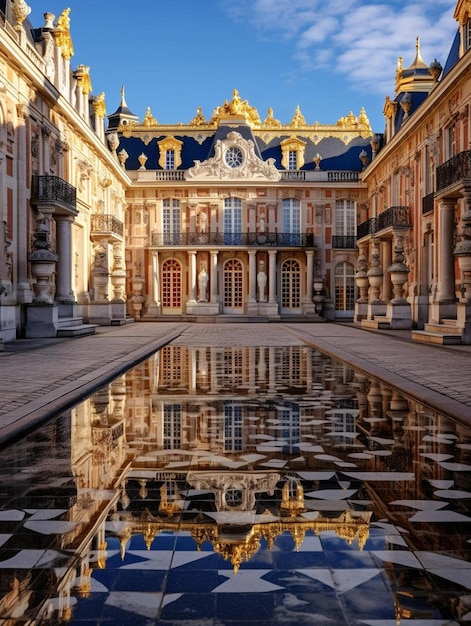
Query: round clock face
x,y
233,157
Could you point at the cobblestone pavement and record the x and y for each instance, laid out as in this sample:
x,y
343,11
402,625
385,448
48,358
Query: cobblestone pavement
x,y
43,376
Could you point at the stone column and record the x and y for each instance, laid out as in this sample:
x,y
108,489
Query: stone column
x,y
445,270
23,287
192,274
309,273
386,260
272,276
213,276
64,290
155,278
252,275
154,307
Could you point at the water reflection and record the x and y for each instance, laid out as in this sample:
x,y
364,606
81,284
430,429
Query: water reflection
x,y
227,485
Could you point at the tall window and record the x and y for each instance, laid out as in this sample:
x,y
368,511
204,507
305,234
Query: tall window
x,y
292,160
344,289
290,285
233,285
345,219
232,221
171,285
467,36
232,427
171,221
170,160
452,141
172,426
291,221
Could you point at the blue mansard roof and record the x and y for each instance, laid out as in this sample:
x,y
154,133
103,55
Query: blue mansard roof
x,y
339,145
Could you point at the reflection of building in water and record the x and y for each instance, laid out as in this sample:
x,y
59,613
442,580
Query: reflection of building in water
x,y
240,447
244,508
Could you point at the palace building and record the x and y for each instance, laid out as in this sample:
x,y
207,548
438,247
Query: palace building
x,y
107,218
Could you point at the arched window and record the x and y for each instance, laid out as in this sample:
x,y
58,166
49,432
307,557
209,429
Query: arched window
x,y
233,286
290,285
171,286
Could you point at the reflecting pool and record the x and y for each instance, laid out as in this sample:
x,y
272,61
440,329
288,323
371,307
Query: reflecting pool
x,y
239,485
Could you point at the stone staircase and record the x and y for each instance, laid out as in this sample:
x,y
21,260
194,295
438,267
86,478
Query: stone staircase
x,y
379,322
447,332
74,327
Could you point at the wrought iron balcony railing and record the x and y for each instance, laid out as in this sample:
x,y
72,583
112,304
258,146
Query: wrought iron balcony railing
x,y
428,203
344,241
107,224
395,216
53,191
454,170
290,240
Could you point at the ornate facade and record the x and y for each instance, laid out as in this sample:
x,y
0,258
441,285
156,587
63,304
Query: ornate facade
x,y
62,188
236,216
415,247
107,218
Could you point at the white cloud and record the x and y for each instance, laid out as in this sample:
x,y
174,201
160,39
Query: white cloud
x,y
359,39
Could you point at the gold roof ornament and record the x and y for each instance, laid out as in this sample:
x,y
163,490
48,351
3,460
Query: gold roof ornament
x,y
298,119
149,119
236,108
270,121
346,129
99,106
199,119
82,74
62,34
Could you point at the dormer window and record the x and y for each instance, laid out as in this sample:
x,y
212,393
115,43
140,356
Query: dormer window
x,y
170,151
170,159
293,153
292,160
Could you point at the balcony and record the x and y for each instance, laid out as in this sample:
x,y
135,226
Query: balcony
x,y
394,217
52,192
454,170
280,240
428,203
105,225
344,242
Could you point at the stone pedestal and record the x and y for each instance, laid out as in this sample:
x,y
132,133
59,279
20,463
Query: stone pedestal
x,y
464,321
399,315
8,322
202,308
153,310
361,311
118,311
100,313
376,308
67,309
41,320
442,311
268,309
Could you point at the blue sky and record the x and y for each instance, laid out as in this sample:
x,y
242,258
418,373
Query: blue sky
x,y
329,58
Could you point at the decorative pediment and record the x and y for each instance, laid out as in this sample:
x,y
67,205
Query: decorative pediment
x,y
234,159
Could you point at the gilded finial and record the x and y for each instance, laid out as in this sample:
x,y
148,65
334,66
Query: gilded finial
x,y
298,119
123,99
199,119
62,34
149,119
